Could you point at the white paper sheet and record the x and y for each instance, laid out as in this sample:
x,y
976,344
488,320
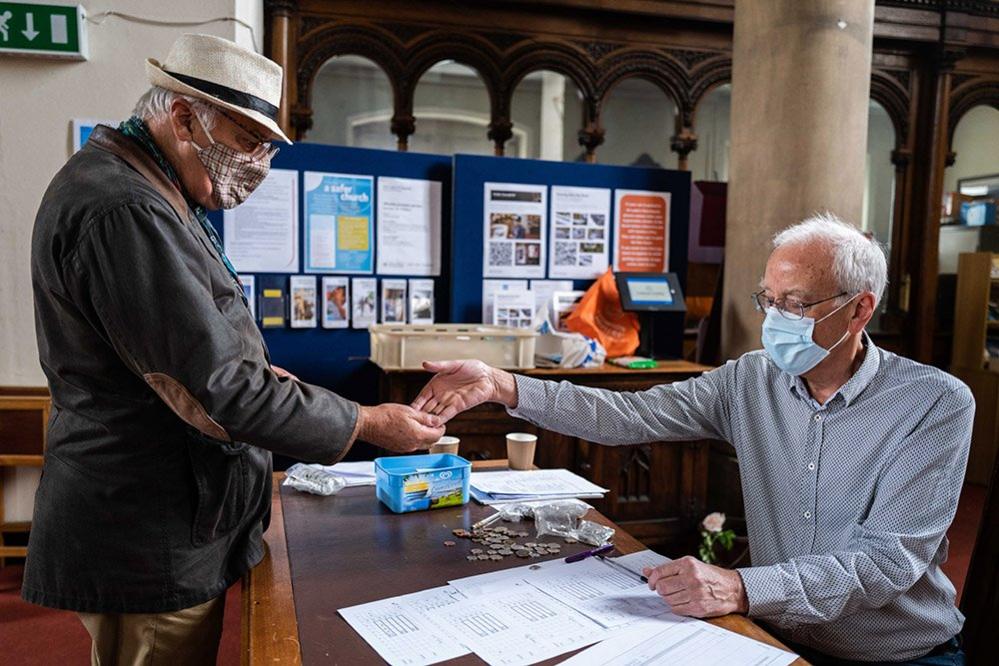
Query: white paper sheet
x,y
250,291
680,643
517,626
363,302
409,226
601,592
580,232
504,579
402,629
261,235
490,287
543,290
540,482
514,220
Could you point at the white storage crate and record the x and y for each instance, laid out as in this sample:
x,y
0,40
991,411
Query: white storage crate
x,y
406,346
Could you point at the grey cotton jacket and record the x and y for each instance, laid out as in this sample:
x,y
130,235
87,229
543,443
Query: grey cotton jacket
x,y
156,485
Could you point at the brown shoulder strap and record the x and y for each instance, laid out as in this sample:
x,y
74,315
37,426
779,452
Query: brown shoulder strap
x,y
117,143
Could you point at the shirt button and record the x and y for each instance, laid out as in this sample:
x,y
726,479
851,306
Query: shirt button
x,y
818,417
807,514
811,466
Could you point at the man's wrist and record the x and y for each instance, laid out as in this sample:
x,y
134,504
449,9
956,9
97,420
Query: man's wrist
x,y
742,601
506,388
363,427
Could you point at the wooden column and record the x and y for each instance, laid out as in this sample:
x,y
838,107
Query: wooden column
x,y
931,142
800,88
282,52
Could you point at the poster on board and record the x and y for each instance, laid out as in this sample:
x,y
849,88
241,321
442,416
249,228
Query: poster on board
x,y
580,241
641,231
336,302
303,301
261,234
514,217
409,226
339,227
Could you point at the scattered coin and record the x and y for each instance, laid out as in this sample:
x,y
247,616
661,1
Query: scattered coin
x,y
505,551
530,544
471,557
449,543
523,553
483,556
490,552
534,567
571,540
476,551
496,557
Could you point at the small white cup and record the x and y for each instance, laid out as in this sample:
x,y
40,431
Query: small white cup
x,y
445,444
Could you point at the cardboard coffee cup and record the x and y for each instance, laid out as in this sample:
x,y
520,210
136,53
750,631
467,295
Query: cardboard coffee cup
x,y
520,450
445,444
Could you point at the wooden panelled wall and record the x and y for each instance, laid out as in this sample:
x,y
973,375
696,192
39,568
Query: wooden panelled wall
x,y
933,61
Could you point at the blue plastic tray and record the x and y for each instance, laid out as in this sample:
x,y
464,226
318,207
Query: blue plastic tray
x,y
415,483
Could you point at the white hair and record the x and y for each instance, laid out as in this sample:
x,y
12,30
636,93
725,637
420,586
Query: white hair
x,y
156,103
859,262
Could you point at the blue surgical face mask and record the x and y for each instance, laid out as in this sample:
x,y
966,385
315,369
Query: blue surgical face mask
x,y
789,341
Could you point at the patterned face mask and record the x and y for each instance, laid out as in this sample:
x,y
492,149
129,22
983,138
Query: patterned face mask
x,y
234,174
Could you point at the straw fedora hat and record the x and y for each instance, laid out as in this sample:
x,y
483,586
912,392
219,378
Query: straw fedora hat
x,y
218,71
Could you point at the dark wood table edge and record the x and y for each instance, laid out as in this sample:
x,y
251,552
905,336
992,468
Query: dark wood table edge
x,y
270,625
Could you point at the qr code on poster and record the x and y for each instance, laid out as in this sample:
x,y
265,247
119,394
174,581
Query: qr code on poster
x,y
565,254
500,254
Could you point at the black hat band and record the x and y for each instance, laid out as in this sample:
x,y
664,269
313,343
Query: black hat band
x,y
230,95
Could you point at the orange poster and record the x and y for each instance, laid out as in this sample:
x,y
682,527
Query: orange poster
x,y
641,231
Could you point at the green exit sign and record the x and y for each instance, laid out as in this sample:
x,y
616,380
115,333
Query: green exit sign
x,y
53,31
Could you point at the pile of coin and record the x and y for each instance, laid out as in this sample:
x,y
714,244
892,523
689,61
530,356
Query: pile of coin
x,y
500,542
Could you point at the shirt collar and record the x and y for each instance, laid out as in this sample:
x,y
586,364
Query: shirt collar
x,y
853,386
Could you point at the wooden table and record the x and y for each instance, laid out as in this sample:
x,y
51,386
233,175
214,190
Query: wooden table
x,y
658,492
325,553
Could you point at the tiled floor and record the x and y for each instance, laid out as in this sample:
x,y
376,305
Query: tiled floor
x,y
26,631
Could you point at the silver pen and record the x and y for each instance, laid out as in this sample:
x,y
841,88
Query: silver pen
x,y
621,567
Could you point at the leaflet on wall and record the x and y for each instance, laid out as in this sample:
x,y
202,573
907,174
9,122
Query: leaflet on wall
x,y
564,304
421,301
339,229
641,231
272,306
514,219
303,301
513,308
336,302
364,302
393,301
580,232
544,289
490,287
250,293
261,235
409,226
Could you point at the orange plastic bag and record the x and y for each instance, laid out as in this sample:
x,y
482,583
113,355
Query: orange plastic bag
x,y
599,315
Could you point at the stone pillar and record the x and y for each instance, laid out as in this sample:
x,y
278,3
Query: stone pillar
x,y
801,78
282,52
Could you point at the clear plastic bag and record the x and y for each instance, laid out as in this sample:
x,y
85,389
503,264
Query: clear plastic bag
x,y
314,479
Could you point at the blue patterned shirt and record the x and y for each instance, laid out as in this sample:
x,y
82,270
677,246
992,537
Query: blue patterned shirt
x,y
847,503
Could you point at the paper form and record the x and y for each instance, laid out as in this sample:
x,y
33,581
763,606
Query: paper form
x,y
517,626
541,482
690,643
497,581
261,235
401,629
601,592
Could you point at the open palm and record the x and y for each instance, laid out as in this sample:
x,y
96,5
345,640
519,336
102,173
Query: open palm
x,y
456,386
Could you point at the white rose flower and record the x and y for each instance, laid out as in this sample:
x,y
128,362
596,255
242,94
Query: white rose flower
x,y
714,522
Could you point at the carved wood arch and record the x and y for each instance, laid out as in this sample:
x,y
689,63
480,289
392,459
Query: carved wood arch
x,y
976,91
888,91
705,78
663,71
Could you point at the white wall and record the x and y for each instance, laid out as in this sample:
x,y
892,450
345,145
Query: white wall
x,y
38,99
975,144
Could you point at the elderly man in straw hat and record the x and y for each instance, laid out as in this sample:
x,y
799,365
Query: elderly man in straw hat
x,y
156,486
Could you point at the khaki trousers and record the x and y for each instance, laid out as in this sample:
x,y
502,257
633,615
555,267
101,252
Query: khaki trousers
x,y
188,636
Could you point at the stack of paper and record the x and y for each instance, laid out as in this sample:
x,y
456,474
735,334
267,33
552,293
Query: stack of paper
x,y
532,613
360,473
541,484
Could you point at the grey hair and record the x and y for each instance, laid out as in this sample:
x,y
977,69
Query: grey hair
x,y
156,102
859,262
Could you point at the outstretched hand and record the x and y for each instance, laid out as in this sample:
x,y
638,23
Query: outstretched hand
x,y
461,385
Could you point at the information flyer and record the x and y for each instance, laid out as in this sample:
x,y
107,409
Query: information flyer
x,y
261,235
339,233
393,301
514,220
249,283
421,301
409,226
641,231
490,287
364,302
303,301
336,302
580,232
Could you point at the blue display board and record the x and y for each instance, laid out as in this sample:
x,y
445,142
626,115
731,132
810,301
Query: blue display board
x,y
472,172
337,358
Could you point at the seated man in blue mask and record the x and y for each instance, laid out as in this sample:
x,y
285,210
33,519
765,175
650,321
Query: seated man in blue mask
x,y
852,459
